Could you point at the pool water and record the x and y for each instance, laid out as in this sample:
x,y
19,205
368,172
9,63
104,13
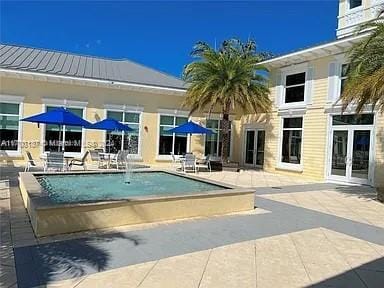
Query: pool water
x,y
113,186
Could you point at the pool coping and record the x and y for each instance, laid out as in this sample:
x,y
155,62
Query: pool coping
x,y
42,201
50,218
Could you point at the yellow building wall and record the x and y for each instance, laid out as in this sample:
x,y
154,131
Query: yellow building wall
x,y
34,91
314,151
379,151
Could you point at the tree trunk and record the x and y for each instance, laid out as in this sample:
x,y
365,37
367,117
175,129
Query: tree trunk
x,y
225,133
380,193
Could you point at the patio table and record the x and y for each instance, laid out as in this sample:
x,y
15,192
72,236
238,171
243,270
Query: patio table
x,y
67,159
107,157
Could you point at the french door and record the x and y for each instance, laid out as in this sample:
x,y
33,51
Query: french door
x,y
351,154
254,148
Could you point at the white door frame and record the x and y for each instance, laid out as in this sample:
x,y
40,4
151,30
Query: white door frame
x,y
256,139
351,130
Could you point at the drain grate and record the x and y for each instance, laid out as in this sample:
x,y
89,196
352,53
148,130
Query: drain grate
x,y
276,187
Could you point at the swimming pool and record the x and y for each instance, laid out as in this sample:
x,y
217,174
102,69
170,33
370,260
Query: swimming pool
x,y
113,186
68,202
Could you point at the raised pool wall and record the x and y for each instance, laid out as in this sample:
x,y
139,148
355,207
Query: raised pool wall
x,y
49,218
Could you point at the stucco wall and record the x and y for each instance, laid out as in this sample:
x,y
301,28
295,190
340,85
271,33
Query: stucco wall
x,y
34,91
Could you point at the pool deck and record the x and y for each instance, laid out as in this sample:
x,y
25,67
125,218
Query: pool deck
x,y
302,235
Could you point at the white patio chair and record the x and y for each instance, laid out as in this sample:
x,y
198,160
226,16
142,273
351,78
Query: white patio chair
x,y
55,161
120,159
79,161
176,162
203,164
189,163
30,162
96,158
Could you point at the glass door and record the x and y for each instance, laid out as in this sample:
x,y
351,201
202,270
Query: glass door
x,y
249,147
339,154
360,155
350,161
260,148
254,148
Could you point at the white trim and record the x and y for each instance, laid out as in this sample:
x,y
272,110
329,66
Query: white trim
x,y
64,103
173,113
123,107
256,141
90,81
316,52
329,148
284,165
352,10
296,69
351,109
126,109
13,99
292,112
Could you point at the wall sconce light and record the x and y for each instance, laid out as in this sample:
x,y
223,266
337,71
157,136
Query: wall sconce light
x,y
146,129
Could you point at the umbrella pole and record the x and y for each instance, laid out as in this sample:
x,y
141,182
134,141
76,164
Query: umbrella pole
x,y
109,144
58,146
190,142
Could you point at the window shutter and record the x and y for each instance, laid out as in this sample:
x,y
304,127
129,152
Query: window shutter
x,y
279,89
332,81
309,85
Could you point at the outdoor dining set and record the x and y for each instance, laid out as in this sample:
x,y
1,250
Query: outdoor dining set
x,y
58,160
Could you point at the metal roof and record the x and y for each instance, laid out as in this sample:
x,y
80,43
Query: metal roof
x,y
65,64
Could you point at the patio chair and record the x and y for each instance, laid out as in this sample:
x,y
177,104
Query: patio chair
x,y
55,161
30,162
176,162
120,159
97,158
189,163
79,161
203,163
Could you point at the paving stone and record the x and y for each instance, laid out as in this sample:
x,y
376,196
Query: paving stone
x,y
180,271
231,266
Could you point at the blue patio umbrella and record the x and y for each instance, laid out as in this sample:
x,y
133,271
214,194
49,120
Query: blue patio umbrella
x,y
60,117
191,128
110,124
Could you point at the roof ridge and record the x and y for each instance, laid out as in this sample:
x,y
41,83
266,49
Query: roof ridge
x,y
91,56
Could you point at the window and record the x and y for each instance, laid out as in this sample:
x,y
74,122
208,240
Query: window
x,y
9,126
213,141
124,140
71,135
171,142
291,144
343,77
355,3
363,119
294,87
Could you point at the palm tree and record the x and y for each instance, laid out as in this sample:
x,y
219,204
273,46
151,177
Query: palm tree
x,y
227,79
365,75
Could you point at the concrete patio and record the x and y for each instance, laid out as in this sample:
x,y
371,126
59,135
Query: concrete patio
x,y
302,234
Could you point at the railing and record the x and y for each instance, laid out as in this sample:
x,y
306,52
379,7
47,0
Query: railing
x,y
358,16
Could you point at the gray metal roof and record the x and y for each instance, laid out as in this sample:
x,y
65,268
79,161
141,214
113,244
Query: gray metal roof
x,y
66,64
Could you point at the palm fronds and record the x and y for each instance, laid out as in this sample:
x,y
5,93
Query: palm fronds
x,y
365,82
226,79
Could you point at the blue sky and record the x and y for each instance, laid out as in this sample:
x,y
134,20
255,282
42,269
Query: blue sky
x,y
161,34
